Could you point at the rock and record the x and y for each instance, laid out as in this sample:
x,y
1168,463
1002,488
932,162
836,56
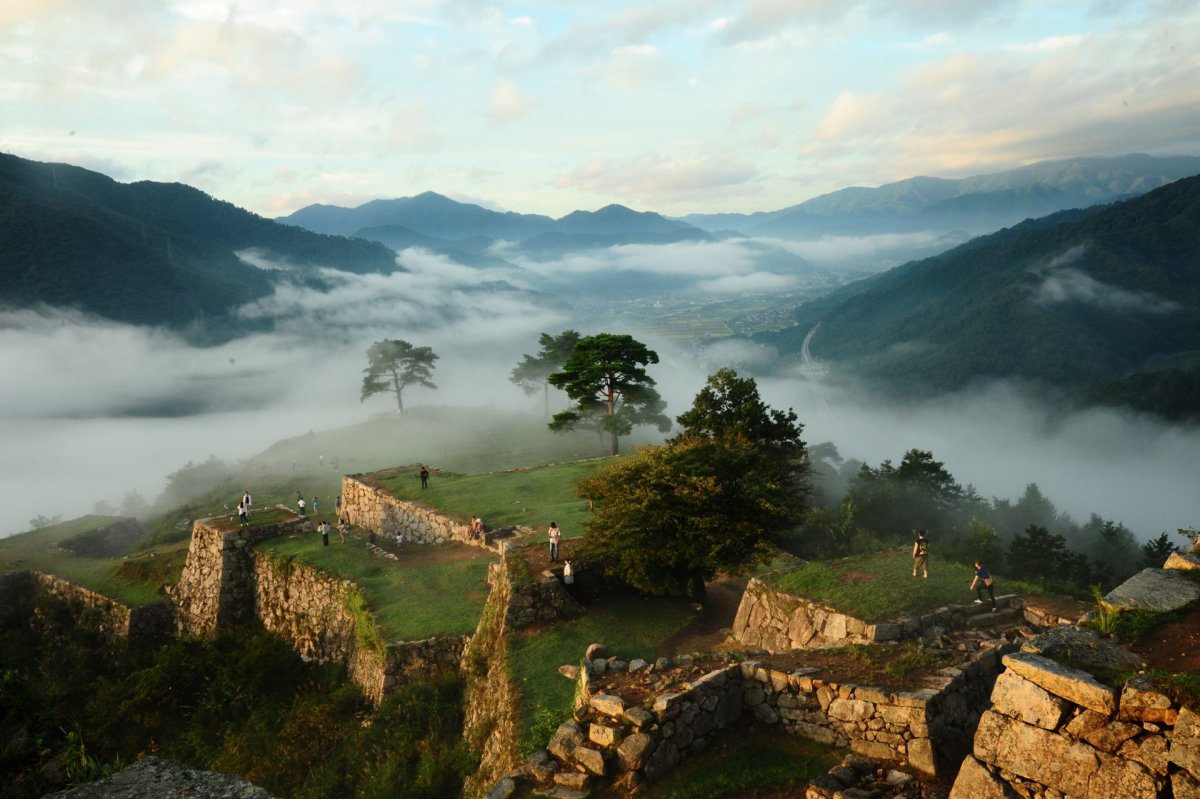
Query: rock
x,y
595,652
598,666
1036,754
1142,702
590,759
637,664
608,705
1095,728
565,739
503,789
897,779
570,672
604,735
1182,561
1153,589
1071,684
1015,696
575,780
634,750
662,664
920,756
153,778
847,776
1185,742
1184,786
1083,646
639,717
976,782
1150,751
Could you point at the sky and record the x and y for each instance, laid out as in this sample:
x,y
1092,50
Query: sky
x,y
676,106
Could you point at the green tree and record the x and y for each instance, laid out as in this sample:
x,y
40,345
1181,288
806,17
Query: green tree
x,y
710,500
532,373
1156,551
605,377
393,365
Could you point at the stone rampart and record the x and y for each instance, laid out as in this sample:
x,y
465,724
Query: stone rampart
x,y
134,625
776,621
371,507
1055,731
541,600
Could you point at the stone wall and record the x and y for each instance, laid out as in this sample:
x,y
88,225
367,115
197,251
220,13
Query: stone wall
x,y
777,622
134,625
1055,731
372,508
541,600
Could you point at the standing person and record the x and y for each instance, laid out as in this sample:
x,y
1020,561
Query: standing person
x,y
342,530
424,476
555,536
921,554
316,505
337,506
325,533
242,518
246,500
983,579
300,504
568,574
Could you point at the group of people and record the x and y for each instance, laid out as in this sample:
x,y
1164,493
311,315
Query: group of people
x,y
243,507
982,580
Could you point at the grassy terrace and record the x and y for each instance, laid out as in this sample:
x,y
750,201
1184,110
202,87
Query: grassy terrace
x,y
432,590
880,586
114,577
533,497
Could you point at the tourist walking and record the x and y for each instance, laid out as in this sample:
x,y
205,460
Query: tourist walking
x,y
300,505
316,506
324,526
983,579
424,477
342,530
555,537
921,554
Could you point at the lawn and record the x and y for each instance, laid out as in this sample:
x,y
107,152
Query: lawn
x,y
39,550
880,586
631,627
532,497
435,589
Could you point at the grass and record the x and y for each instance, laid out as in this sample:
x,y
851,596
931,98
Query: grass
x,y
433,590
880,586
532,497
744,762
39,550
631,627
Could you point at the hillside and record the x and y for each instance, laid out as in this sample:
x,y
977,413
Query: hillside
x,y
148,253
1070,300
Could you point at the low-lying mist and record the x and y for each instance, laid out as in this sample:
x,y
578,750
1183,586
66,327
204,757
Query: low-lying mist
x,y
95,409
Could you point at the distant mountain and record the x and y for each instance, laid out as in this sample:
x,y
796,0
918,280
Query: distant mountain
x,y
978,204
148,253
1078,300
442,225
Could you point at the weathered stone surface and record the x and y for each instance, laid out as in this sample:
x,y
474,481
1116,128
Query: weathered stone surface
x,y
1142,702
1154,589
634,750
570,672
1035,754
873,749
595,651
1096,729
1182,561
1071,684
637,664
974,781
1015,696
920,756
608,705
1119,777
152,778
503,789
565,739
1150,751
850,709
604,735
1185,742
590,759
639,717
1084,647
576,780
1184,786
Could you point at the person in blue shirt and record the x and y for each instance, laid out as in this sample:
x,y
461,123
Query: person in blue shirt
x,y
983,579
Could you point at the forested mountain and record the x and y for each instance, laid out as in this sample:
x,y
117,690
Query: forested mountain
x,y
978,204
1082,300
148,253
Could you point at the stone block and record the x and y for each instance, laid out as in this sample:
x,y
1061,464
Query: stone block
x,y
575,780
595,651
1184,786
503,789
604,735
1120,777
638,717
766,714
1182,561
920,756
1150,751
1071,684
1015,696
637,664
874,749
668,706
608,705
1036,754
1185,742
850,710
974,781
1142,702
1096,729
565,739
1154,589
591,760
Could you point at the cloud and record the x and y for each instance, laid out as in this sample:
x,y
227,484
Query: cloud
x,y
753,283
849,114
1061,284
508,104
650,178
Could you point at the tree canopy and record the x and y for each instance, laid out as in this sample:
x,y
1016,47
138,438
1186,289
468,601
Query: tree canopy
x,y
532,373
605,377
393,365
712,499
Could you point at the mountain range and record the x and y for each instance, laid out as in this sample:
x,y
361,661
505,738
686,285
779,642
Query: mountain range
x,y
1103,303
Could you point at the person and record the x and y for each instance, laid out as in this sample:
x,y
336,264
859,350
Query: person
x,y
246,500
342,530
921,554
242,513
324,533
337,506
568,574
424,476
477,527
983,579
300,504
316,506
555,537
399,541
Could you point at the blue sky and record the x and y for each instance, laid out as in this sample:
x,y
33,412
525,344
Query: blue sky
x,y
679,106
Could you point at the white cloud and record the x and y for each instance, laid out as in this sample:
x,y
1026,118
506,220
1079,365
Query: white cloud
x,y
508,104
850,114
753,283
656,178
1062,283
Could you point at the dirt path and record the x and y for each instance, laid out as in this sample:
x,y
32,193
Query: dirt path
x,y
707,632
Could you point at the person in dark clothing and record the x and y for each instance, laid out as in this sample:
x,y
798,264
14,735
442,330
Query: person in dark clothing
x,y
983,579
424,477
921,554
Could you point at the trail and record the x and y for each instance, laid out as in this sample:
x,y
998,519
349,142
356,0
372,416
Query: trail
x,y
812,369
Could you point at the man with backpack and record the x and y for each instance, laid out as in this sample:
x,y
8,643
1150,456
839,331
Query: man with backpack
x,y
921,554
